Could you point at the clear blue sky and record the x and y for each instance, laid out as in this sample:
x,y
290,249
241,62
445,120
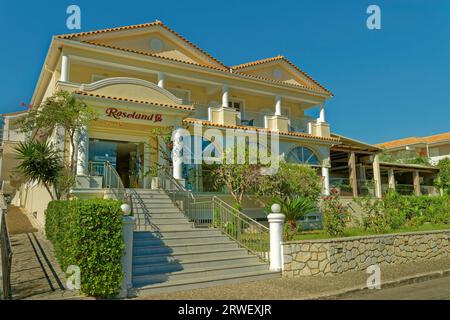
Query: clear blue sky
x,y
388,84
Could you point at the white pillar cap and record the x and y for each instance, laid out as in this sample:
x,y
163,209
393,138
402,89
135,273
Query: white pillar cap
x,y
276,217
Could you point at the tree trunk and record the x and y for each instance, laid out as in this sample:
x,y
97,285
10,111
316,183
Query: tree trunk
x,y
72,155
49,190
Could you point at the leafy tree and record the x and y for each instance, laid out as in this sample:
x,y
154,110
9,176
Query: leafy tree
x,y
238,177
292,180
164,147
64,110
443,179
418,160
40,162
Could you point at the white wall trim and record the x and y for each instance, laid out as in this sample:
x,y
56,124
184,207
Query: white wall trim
x,y
125,80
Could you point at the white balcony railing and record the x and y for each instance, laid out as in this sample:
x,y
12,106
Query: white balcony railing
x,y
256,118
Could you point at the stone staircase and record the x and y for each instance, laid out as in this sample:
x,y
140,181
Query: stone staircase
x,y
170,253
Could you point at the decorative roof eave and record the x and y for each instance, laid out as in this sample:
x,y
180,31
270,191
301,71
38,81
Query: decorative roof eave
x,y
227,72
355,145
408,166
140,26
304,136
143,102
14,114
284,59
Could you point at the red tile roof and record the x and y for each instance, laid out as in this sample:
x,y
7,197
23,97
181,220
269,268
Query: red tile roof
x,y
415,140
139,26
201,65
319,88
280,58
153,103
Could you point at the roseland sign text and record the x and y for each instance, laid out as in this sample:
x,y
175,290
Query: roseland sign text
x,y
118,114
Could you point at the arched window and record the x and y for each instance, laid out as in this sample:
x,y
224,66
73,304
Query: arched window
x,y
302,155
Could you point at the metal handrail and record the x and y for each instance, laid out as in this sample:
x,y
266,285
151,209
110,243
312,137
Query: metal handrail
x,y
113,182
5,250
246,231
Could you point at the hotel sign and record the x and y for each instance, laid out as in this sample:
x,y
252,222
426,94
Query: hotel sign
x,y
120,114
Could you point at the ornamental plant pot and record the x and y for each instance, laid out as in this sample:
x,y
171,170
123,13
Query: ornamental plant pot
x,y
155,183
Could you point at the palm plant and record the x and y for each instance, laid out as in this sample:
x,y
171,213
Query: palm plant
x,y
39,162
294,208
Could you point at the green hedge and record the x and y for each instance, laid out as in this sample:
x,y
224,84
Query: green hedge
x,y
416,210
88,234
397,211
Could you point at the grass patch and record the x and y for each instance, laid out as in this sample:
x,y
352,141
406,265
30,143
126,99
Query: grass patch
x,y
355,232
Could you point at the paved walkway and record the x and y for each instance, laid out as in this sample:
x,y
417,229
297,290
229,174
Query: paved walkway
x,y
435,289
304,287
35,274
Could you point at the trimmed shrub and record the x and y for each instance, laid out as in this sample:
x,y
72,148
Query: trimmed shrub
x,y
88,234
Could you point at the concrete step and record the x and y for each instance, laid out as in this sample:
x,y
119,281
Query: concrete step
x,y
178,234
170,286
144,268
168,215
165,220
153,198
176,241
190,256
153,210
153,278
150,194
180,248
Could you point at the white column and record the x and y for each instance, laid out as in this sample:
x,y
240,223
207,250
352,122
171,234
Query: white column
x,y
278,105
177,159
326,180
276,223
352,173
83,152
416,179
161,79
65,65
127,258
377,176
322,114
225,96
391,179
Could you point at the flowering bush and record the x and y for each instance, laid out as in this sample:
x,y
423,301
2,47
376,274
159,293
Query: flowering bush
x,y
374,218
335,215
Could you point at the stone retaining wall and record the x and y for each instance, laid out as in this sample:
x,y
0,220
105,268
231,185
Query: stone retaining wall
x,y
335,256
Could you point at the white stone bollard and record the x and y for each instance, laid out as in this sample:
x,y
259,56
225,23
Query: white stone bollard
x,y
276,223
127,258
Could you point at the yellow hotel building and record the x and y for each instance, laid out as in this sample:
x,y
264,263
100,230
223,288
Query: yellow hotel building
x,y
145,76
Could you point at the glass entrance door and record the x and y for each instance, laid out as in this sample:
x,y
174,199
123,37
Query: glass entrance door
x,y
126,158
